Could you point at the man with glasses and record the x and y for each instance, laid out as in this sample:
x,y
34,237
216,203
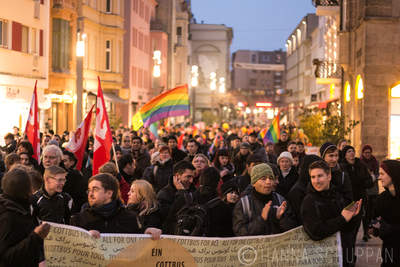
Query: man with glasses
x,y
75,184
50,203
105,212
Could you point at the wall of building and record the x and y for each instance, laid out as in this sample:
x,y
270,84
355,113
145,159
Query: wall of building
x,y
24,52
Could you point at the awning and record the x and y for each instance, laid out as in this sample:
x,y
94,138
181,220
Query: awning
x,y
325,103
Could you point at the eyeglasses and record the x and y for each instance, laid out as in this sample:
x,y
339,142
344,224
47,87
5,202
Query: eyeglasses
x,y
59,181
94,190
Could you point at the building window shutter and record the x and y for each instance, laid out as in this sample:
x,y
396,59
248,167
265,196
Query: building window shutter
x,y
16,36
41,43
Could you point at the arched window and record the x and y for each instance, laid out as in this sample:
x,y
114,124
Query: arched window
x,y
360,87
347,91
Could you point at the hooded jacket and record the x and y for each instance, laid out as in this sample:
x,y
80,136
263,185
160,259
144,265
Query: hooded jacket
x,y
19,244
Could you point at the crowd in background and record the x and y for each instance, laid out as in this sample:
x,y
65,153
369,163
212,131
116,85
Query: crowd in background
x,y
215,182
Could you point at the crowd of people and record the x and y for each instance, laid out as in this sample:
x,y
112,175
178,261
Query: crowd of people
x,y
218,182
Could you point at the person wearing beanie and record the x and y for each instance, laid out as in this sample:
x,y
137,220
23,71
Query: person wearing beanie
x,y
330,154
360,179
262,211
288,174
239,161
21,239
387,214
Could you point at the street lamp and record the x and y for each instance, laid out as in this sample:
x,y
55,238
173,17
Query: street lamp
x,y
213,81
222,85
194,82
157,63
80,53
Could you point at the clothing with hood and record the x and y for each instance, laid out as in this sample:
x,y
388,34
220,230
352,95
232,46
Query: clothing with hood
x,y
359,176
109,218
159,174
299,190
387,207
19,244
55,208
373,166
321,214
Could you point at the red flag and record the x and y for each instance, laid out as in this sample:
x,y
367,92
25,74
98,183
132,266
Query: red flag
x,y
180,141
78,140
102,134
32,126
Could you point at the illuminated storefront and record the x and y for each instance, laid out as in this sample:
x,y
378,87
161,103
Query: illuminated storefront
x,y
395,122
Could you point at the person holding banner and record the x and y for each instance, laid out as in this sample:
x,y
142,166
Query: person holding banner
x,y
105,212
324,211
262,211
21,239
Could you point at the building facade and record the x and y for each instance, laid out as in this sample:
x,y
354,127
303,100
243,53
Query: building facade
x,y
210,46
299,68
24,53
139,45
257,76
369,34
62,65
101,26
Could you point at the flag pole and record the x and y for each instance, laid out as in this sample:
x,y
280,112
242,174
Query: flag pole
x,y
115,157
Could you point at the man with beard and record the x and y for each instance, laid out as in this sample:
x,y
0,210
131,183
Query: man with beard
x,y
105,213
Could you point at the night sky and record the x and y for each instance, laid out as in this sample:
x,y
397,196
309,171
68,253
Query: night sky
x,y
257,24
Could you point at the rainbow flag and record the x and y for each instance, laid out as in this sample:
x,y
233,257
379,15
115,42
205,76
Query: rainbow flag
x,y
274,131
172,103
263,135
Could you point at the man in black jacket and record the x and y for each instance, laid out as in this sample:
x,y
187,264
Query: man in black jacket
x,y
262,212
21,239
105,212
50,203
180,182
325,211
141,157
75,183
282,143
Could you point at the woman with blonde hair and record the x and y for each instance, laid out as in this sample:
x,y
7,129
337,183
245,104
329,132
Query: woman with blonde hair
x,y
142,199
200,163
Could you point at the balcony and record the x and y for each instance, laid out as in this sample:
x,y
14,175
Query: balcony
x,y
327,72
327,7
71,4
318,3
156,25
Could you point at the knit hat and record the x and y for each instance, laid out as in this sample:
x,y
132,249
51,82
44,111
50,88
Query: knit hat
x,y
245,145
347,148
285,154
260,171
392,168
229,186
324,148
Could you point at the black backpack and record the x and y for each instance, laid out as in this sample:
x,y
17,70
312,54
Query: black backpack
x,y
192,219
